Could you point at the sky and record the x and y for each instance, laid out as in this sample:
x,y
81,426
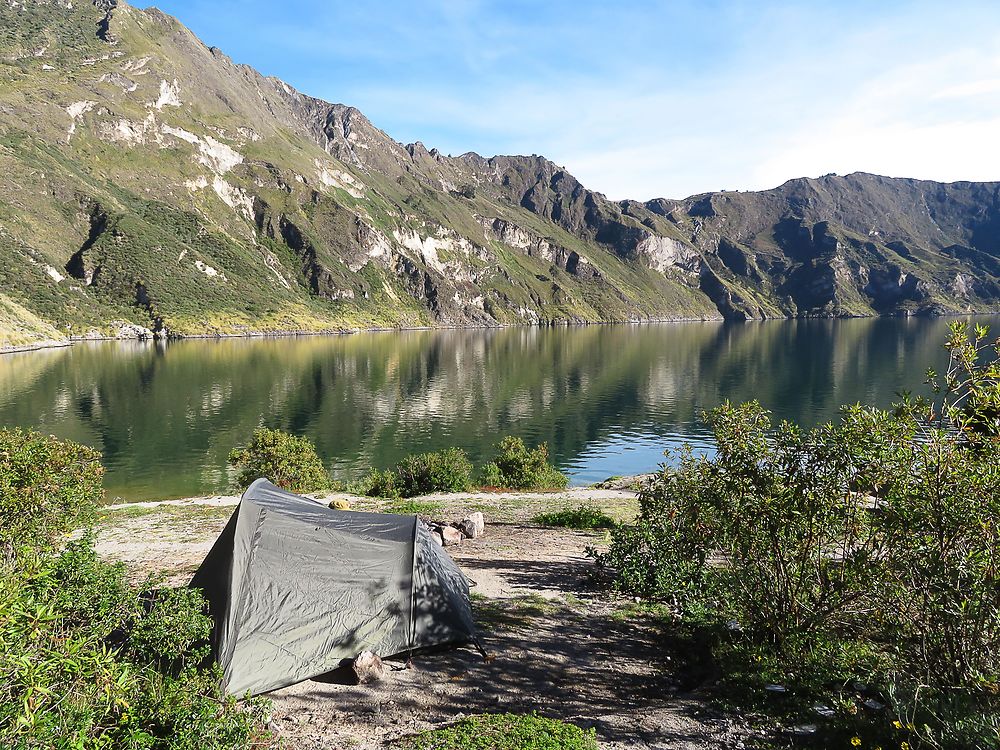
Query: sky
x,y
648,99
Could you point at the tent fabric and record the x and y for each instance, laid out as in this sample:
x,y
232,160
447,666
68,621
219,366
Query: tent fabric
x,y
294,587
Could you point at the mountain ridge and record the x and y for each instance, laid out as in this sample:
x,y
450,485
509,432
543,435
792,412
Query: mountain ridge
x,y
155,187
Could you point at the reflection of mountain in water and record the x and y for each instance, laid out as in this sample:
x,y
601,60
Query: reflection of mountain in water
x,y
166,416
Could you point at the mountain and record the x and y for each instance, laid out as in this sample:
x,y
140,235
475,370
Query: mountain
x,y
153,185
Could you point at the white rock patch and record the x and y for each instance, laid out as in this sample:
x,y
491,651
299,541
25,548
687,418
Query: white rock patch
x,y
234,197
215,155
248,134
117,79
76,110
208,270
429,247
339,179
170,95
136,66
56,276
200,183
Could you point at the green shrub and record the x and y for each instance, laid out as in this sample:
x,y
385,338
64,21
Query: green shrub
x,y
415,508
47,487
576,518
517,468
504,732
378,484
91,661
444,471
288,461
864,549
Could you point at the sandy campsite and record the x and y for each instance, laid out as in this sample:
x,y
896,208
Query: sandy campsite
x,y
558,643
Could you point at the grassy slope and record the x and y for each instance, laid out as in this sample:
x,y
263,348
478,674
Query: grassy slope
x,y
159,230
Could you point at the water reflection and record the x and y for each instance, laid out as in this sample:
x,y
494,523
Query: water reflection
x,y
608,399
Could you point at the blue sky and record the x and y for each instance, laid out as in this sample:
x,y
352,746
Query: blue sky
x,y
649,99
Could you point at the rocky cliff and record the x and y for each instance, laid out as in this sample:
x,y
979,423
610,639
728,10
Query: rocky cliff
x,y
152,184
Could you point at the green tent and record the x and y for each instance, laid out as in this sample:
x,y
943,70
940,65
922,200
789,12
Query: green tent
x,y
295,587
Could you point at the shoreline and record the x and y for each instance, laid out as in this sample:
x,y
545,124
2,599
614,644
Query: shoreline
x,y
72,340
610,489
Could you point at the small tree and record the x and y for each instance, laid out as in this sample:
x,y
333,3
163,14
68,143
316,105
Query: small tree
x,y
288,461
47,487
517,468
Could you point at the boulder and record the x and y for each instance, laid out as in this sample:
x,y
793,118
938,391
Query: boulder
x,y
339,503
476,522
367,667
450,535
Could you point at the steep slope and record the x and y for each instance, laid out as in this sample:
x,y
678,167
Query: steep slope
x,y
151,184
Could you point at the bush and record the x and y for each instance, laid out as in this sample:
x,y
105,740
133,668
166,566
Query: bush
x,y
288,461
868,548
378,484
517,468
47,487
89,660
445,471
577,518
504,732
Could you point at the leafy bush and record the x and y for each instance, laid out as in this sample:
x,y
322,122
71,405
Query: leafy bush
x,y
378,484
504,732
445,471
47,487
288,461
517,468
577,518
91,661
87,659
868,548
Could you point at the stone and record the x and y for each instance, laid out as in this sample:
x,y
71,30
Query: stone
x,y
478,524
367,667
339,503
450,535
468,529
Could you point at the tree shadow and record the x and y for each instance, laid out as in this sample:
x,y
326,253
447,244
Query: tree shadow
x,y
578,662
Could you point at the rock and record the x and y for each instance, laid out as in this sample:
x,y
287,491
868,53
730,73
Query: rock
x,y
468,529
339,503
477,522
450,535
367,667
132,331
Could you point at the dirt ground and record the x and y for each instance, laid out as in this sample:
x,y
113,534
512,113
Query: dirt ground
x,y
558,643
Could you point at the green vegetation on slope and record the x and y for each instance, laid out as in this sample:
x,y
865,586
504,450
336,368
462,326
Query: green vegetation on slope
x,y
151,181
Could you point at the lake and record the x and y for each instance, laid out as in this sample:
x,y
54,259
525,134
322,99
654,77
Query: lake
x,y
607,399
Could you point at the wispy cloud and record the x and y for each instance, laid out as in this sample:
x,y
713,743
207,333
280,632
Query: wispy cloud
x,y
650,98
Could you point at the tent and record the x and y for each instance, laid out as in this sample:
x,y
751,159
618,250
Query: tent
x,y
295,587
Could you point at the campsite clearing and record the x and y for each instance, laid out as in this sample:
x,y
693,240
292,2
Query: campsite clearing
x,y
559,645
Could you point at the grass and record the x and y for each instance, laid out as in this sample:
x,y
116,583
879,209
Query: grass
x,y
166,514
414,508
511,614
583,517
504,732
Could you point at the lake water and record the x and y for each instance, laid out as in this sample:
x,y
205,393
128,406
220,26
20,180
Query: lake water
x,y
607,399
